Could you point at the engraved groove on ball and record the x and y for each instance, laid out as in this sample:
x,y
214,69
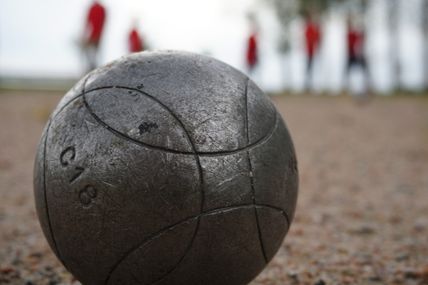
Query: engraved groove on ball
x,y
46,134
56,250
189,219
250,170
262,220
246,149
116,132
194,152
201,181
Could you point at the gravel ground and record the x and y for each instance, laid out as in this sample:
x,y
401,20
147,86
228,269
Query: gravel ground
x,y
362,215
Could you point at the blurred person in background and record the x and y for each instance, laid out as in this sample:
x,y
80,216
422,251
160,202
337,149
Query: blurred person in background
x,y
252,52
92,34
313,40
135,41
252,45
356,56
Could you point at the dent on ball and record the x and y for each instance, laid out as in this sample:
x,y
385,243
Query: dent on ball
x,y
165,168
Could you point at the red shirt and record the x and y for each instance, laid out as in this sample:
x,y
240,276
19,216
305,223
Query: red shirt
x,y
313,37
95,22
355,43
135,41
252,51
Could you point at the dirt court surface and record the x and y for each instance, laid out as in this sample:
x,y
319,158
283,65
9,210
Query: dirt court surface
x,y
362,215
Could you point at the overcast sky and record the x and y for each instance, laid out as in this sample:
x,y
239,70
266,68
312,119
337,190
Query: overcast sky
x,y
37,38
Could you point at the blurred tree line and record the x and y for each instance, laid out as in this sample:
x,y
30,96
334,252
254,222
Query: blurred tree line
x,y
288,10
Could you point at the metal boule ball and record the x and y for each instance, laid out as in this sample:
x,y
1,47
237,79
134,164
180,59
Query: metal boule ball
x,y
165,168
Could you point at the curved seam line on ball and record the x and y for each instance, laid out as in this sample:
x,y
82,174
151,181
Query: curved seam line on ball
x,y
282,211
46,195
66,104
199,166
250,166
257,143
187,220
75,97
56,249
260,142
201,186
114,131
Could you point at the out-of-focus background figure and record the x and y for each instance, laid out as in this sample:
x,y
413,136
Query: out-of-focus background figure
x,y
312,42
356,60
252,55
252,52
94,28
135,40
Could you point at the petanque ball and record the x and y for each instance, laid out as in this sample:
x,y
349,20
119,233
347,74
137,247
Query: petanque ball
x,y
165,168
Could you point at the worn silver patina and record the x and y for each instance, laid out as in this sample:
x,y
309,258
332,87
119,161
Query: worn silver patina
x,y
165,168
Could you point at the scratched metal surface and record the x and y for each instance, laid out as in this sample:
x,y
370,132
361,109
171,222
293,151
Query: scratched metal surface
x,y
165,168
